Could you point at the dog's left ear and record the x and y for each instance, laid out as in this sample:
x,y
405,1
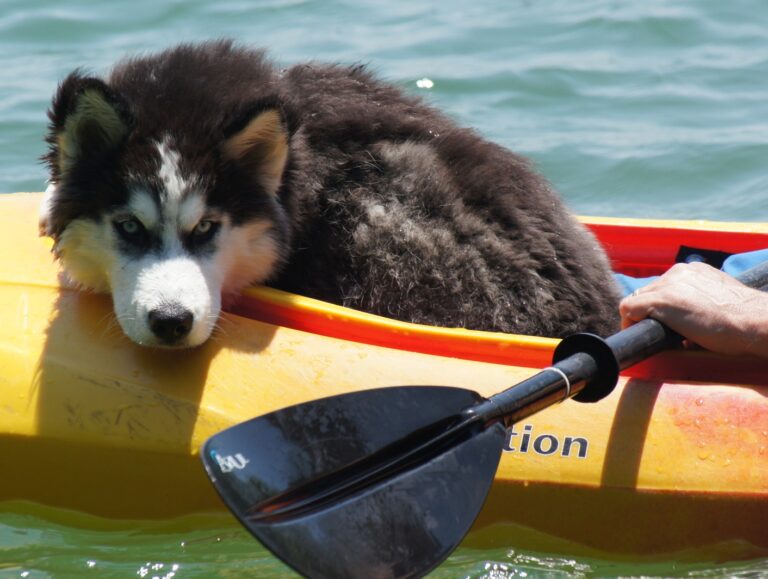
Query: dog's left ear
x,y
262,146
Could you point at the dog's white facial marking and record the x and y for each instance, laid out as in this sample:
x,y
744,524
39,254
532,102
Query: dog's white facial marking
x,y
191,211
175,187
174,184
183,205
143,207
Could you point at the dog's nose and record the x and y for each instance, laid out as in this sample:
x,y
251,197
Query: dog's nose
x,y
170,323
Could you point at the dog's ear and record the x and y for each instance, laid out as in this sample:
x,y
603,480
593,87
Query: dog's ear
x,y
261,144
87,118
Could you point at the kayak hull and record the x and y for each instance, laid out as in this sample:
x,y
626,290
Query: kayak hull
x,y
675,458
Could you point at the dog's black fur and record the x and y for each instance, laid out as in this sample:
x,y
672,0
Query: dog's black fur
x,y
385,205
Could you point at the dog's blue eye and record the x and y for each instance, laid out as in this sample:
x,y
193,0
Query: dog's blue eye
x,y
129,229
203,227
204,231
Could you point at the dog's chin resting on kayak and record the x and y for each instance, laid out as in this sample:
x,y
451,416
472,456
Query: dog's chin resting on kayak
x,y
183,177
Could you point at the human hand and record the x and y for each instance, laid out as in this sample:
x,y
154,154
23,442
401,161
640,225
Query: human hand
x,y
706,306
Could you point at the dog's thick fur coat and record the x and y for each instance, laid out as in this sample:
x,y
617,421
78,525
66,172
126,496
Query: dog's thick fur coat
x,y
365,196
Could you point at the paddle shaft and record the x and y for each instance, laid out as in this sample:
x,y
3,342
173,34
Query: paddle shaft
x,y
586,367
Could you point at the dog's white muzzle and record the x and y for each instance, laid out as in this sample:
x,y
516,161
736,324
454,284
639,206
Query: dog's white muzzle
x,y
166,302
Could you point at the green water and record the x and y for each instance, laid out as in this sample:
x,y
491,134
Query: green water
x,y
650,108
36,541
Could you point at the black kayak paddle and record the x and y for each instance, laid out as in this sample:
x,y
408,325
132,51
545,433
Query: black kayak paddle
x,y
385,483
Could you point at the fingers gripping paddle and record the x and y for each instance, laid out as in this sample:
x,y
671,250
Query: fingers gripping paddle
x,y
386,482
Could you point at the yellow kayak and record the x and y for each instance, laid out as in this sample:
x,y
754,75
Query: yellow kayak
x,y
676,457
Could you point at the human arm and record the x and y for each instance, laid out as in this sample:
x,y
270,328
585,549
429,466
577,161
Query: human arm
x,y
707,306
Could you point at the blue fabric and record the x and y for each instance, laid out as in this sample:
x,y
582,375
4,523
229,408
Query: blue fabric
x,y
733,265
629,284
741,262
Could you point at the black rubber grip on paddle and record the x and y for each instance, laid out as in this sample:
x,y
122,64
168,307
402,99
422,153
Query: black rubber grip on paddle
x,y
615,353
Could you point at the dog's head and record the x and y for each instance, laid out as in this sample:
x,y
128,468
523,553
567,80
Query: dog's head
x,y
162,222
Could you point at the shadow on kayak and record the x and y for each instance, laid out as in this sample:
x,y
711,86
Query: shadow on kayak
x,y
115,415
628,433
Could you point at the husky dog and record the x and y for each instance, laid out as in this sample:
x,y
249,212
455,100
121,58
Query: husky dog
x,y
184,176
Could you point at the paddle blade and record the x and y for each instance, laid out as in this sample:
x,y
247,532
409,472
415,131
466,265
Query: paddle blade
x,y
286,477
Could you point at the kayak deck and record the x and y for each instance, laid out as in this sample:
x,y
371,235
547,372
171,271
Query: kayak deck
x,y
676,457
